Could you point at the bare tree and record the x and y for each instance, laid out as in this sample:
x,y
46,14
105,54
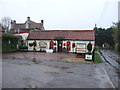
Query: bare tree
x,y
6,22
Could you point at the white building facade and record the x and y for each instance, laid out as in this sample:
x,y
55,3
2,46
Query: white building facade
x,y
61,40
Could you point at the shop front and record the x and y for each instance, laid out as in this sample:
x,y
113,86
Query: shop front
x,y
60,40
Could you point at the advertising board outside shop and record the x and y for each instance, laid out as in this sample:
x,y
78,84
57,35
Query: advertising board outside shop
x,y
80,47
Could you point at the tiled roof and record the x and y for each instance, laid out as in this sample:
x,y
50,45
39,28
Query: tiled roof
x,y
66,34
21,27
18,26
35,25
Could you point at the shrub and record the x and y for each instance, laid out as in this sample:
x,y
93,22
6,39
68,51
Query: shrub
x,y
9,42
89,47
23,47
117,47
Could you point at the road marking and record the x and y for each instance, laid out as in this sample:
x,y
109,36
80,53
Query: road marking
x,y
109,78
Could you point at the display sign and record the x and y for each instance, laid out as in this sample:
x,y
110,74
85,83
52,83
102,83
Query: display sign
x,y
42,44
88,57
81,47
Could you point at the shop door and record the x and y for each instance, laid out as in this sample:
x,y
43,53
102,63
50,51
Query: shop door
x,y
59,46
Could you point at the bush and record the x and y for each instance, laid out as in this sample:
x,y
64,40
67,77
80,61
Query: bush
x,y
23,47
117,47
9,42
89,47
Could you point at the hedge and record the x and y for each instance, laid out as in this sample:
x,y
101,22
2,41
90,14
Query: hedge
x,y
9,42
117,47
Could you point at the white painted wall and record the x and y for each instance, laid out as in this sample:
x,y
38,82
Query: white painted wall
x,y
24,36
29,47
55,41
38,47
73,49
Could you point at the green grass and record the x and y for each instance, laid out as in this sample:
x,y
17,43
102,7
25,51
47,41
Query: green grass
x,y
98,48
97,58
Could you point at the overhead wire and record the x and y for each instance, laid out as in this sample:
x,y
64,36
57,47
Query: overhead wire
x,y
104,11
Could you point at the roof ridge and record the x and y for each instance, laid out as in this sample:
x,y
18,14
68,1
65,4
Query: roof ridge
x,y
34,22
64,30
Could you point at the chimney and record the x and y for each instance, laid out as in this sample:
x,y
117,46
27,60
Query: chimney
x,y
14,21
28,18
95,25
42,21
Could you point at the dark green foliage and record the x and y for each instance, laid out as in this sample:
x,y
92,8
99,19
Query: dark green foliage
x,y
117,47
116,36
89,47
23,47
97,58
9,43
103,36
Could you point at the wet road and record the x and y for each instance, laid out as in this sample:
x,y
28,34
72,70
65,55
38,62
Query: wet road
x,y
111,65
19,73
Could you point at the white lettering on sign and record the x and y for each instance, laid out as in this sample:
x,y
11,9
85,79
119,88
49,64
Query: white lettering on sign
x,y
88,57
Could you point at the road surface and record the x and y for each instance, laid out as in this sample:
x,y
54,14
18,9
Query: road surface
x,y
111,65
22,73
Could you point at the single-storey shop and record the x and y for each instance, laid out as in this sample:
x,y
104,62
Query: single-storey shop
x,y
60,40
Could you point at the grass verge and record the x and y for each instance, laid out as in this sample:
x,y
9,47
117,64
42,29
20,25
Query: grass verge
x,y
97,58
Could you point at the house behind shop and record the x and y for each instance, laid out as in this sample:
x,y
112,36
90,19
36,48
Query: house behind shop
x,y
23,29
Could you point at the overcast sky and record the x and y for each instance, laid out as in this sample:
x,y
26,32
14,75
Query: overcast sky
x,y
62,14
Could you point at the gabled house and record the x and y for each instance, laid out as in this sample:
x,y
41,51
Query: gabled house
x,y
26,27
23,29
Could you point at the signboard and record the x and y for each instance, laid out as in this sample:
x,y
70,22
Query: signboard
x,y
81,48
42,44
88,57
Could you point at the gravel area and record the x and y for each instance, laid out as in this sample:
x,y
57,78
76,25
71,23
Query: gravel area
x,y
37,56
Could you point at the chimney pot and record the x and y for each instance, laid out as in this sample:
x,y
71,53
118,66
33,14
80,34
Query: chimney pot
x,y
14,21
42,21
28,18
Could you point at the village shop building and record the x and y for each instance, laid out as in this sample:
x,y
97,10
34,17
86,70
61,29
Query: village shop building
x,y
60,40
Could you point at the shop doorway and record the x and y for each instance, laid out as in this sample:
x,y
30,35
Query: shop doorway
x,y
60,45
